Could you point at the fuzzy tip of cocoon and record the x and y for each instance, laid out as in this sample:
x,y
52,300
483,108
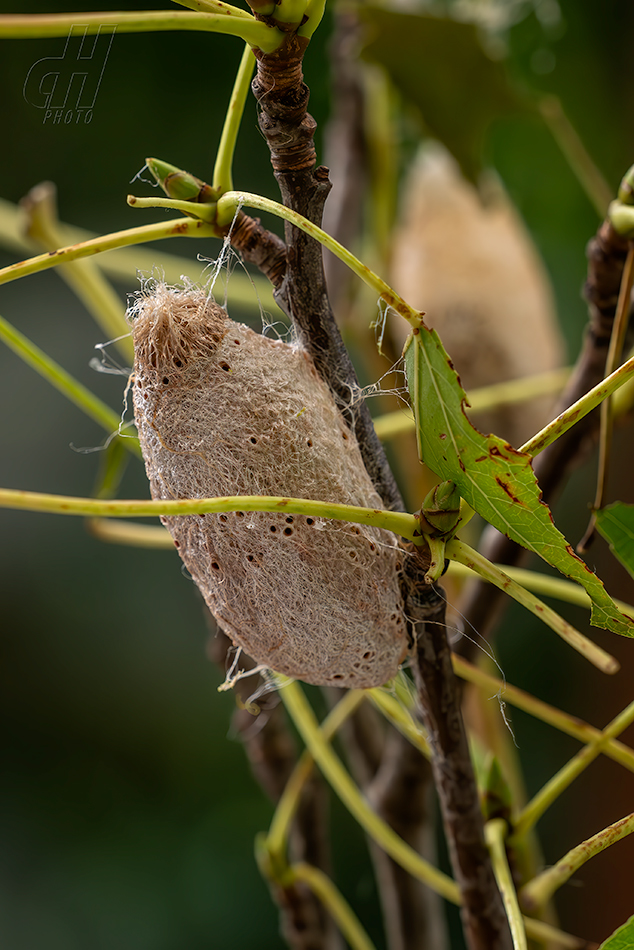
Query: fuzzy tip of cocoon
x,y
172,327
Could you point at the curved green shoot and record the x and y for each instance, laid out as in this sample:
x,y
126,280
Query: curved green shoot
x,y
277,838
400,717
391,424
83,277
230,202
459,551
124,264
204,212
214,6
544,584
549,793
305,722
53,373
314,13
222,177
579,409
112,531
587,173
379,831
539,891
399,522
182,227
495,834
557,718
334,902
247,28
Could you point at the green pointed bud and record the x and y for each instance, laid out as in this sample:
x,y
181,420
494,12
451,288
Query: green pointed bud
x,y
497,800
179,184
441,509
626,188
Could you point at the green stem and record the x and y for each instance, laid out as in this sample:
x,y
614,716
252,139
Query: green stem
x,y
399,851
401,718
459,551
254,32
64,382
83,277
125,264
391,424
533,811
204,211
334,902
396,521
570,725
579,409
214,6
588,175
539,891
132,535
276,840
437,547
222,178
182,227
314,13
544,584
229,204
305,722
494,833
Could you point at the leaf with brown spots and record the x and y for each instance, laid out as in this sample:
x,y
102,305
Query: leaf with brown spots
x,y
493,477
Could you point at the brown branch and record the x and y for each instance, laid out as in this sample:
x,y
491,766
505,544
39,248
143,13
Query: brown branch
x,y
606,258
259,246
483,918
288,128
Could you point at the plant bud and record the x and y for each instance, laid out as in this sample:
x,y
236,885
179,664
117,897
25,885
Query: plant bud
x,y
222,410
440,512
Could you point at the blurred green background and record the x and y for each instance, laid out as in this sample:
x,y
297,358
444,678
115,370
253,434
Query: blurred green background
x,y
127,809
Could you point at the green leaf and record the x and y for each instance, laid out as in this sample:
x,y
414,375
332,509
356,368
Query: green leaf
x,y
439,65
493,477
616,524
621,939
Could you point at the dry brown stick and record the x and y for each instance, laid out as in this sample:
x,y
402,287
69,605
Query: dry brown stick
x,y
606,252
483,918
